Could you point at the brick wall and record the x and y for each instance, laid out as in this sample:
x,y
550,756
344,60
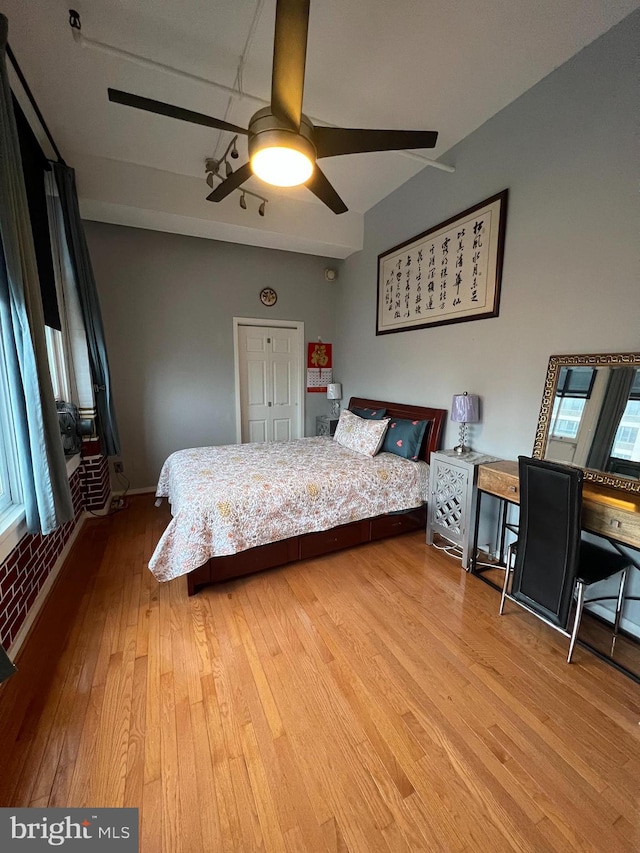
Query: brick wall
x,y
25,570
96,483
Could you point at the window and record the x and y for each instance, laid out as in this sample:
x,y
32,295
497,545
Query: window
x,y
57,364
574,389
10,493
6,498
566,427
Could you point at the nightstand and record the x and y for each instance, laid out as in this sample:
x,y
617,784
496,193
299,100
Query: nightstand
x,y
326,425
452,498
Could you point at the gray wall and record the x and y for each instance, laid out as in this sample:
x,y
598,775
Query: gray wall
x,y
568,152
168,303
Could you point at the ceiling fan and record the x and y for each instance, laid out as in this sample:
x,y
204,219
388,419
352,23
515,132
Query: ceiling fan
x,y
284,145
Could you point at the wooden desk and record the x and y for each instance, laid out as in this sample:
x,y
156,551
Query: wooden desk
x,y
607,512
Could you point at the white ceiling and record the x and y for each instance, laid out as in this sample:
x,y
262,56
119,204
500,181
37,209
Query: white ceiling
x,y
446,65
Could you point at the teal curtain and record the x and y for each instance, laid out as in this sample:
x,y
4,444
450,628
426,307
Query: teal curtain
x,y
107,424
42,468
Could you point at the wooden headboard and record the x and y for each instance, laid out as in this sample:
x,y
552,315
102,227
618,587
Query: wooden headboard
x,y
436,418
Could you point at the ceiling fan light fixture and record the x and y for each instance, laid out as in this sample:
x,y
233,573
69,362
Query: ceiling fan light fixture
x,y
280,156
282,167
283,143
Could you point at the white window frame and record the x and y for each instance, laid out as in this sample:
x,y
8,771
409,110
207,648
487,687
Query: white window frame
x,y
57,364
11,507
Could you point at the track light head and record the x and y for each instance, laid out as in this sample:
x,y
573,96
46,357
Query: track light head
x,y
243,202
228,169
234,151
261,208
210,179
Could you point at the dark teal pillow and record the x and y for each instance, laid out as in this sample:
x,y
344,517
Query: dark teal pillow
x,y
404,438
369,414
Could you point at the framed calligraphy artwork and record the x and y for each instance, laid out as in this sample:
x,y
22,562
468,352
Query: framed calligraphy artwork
x,y
448,274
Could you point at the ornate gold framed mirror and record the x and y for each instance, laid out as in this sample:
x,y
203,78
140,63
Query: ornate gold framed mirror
x,y
590,417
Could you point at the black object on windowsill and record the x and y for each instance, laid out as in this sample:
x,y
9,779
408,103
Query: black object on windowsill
x,y
6,667
69,420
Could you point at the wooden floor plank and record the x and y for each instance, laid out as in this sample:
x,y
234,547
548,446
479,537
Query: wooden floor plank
x,y
369,701
134,780
173,797
206,793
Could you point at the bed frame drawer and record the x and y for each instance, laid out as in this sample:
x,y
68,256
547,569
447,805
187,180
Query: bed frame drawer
x,y
305,547
393,524
243,563
325,541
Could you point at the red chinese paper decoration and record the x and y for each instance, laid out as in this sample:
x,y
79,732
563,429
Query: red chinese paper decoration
x,y
319,367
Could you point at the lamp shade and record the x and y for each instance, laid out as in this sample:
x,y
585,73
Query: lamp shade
x,y
465,408
334,391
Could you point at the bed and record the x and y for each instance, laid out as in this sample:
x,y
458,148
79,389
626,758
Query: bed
x,y
239,509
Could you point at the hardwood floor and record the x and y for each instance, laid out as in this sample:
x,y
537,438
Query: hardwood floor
x,y
623,650
366,701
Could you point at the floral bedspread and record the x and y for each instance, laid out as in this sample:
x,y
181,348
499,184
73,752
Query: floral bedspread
x,y
233,497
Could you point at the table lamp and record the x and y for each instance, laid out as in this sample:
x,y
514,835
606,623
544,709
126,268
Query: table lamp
x,y
334,393
465,409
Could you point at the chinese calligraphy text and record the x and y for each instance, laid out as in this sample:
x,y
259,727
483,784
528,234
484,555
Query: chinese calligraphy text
x,y
448,274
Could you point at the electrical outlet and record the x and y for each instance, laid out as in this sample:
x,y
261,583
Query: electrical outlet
x,y
118,467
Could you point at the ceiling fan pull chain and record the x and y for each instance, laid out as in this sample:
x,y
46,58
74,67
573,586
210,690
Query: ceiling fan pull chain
x,y
74,20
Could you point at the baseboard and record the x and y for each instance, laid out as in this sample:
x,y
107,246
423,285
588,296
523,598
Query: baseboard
x,y
33,613
144,491
605,613
106,509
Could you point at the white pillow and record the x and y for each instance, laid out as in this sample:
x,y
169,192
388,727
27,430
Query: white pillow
x,y
360,434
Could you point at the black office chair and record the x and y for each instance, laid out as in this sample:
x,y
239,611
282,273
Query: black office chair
x,y
552,562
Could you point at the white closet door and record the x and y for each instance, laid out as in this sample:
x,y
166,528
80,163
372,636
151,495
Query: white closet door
x,y
269,383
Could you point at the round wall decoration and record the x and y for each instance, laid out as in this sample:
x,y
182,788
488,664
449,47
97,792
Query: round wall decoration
x,y
268,296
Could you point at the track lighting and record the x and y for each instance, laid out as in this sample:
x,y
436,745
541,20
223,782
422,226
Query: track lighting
x,y
213,166
261,199
214,169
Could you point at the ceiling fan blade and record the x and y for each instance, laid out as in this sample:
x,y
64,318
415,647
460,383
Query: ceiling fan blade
x,y
289,57
332,141
232,183
319,185
160,108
